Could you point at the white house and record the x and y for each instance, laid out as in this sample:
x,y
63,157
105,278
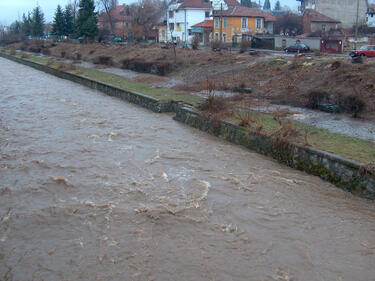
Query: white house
x,y
182,15
371,16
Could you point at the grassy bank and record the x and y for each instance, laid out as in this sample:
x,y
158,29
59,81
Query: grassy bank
x,y
349,147
345,146
162,94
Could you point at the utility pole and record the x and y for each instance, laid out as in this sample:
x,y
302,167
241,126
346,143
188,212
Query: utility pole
x,y
356,27
221,22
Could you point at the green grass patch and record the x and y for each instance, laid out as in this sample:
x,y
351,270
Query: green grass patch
x,y
163,94
349,147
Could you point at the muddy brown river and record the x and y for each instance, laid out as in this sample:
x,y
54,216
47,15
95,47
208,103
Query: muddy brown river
x,y
93,188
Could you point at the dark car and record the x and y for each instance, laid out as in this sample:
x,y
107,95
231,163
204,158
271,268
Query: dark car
x,y
297,48
364,51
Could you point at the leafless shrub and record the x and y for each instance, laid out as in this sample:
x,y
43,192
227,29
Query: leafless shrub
x,y
195,42
216,45
244,46
285,133
315,98
354,104
49,62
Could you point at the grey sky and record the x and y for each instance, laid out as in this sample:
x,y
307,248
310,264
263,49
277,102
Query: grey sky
x,y
11,10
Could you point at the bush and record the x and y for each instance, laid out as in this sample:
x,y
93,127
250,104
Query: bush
x,y
315,98
104,60
354,104
216,45
195,42
46,52
244,46
12,52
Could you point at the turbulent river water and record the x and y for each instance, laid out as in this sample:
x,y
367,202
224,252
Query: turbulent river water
x,y
93,188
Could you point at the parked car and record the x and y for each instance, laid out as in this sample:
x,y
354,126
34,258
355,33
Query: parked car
x,y
364,51
117,40
297,48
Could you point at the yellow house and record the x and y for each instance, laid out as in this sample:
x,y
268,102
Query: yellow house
x,y
238,21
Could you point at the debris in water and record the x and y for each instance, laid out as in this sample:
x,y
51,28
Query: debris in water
x,y
165,177
60,180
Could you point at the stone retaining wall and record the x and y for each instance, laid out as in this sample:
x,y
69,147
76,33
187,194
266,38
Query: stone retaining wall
x,y
133,97
344,173
347,174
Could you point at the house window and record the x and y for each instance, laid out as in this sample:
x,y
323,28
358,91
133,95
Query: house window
x,y
178,25
225,23
216,36
216,22
171,26
207,14
224,39
259,23
170,14
323,27
163,34
244,23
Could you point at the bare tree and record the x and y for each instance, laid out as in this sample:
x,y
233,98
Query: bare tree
x,y
74,6
145,15
108,6
288,23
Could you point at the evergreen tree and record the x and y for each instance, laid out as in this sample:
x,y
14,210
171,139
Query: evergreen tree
x,y
277,6
37,24
247,3
267,5
15,28
26,24
87,20
69,20
58,25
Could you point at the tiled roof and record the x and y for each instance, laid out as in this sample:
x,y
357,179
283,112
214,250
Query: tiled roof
x,y
318,17
240,11
206,23
232,3
117,14
204,4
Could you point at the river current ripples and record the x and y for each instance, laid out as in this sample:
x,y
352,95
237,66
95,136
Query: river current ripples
x,y
93,188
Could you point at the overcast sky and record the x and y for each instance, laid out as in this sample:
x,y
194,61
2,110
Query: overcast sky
x,y
11,10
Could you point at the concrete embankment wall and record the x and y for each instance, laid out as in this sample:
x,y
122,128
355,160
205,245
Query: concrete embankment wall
x,y
133,97
344,173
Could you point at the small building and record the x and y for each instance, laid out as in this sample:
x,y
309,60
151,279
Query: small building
x,y
332,44
182,15
239,22
344,11
162,31
314,21
371,15
121,20
203,30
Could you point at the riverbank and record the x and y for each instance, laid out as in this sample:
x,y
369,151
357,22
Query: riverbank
x,y
92,188
352,175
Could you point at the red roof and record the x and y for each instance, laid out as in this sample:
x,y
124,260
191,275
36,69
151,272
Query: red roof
x,y
206,23
232,3
203,4
372,9
117,14
318,17
240,11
